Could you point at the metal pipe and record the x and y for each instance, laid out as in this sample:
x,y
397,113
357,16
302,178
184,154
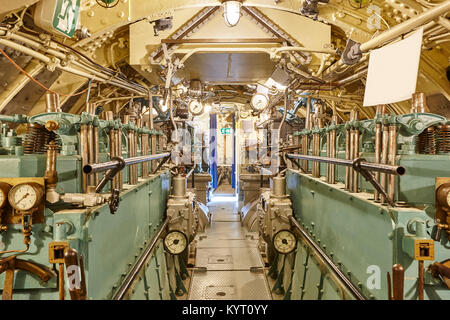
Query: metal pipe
x,y
99,167
90,148
126,285
119,154
384,157
392,156
96,151
352,288
84,153
376,167
406,26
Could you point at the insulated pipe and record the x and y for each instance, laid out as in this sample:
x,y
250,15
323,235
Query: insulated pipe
x,y
406,26
376,167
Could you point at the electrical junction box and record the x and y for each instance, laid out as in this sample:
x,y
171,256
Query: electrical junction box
x,y
58,16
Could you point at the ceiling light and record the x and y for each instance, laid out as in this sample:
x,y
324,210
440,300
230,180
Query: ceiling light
x,y
232,12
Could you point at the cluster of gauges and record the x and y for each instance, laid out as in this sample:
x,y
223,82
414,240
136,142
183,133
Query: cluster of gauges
x,y
23,196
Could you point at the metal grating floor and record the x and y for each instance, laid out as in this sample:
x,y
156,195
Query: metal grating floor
x,y
228,263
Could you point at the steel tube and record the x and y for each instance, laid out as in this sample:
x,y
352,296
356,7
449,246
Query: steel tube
x,y
376,167
99,167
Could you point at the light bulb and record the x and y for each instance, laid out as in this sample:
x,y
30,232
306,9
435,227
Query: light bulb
x,y
164,107
232,12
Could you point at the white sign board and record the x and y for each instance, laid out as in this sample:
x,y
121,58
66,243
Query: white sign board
x,y
393,69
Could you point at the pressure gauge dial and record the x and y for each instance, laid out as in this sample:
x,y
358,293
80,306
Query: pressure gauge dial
x,y
259,102
195,107
175,242
4,189
25,196
284,241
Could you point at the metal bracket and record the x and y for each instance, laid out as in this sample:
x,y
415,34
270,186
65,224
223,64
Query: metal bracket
x,y
114,201
370,177
110,174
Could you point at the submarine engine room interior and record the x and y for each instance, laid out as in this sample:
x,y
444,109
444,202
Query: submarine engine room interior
x,y
225,150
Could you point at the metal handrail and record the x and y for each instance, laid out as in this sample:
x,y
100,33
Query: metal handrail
x,y
127,284
353,289
98,167
378,167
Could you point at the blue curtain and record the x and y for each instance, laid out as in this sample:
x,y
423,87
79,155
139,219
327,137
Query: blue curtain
x,y
213,149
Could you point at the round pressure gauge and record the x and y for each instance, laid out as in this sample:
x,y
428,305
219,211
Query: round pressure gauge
x,y
259,102
175,242
4,189
25,196
284,241
195,107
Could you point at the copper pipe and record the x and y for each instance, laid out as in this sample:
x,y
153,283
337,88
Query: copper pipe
x,y
135,169
51,175
352,152
384,157
84,153
355,156
52,103
112,154
120,154
347,157
96,151
327,166
62,292
398,278
392,156
420,284
377,156
130,154
90,142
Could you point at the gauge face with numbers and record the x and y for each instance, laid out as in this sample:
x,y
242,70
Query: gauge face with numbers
x,y
175,242
25,196
259,102
195,107
284,241
4,189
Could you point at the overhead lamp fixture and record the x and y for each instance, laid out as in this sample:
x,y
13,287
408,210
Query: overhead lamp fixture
x,y
232,12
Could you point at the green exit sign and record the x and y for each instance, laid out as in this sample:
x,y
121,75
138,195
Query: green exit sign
x,y
225,130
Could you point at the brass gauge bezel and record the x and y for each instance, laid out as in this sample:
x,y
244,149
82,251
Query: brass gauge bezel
x,y
167,247
38,189
192,104
252,102
278,234
4,188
